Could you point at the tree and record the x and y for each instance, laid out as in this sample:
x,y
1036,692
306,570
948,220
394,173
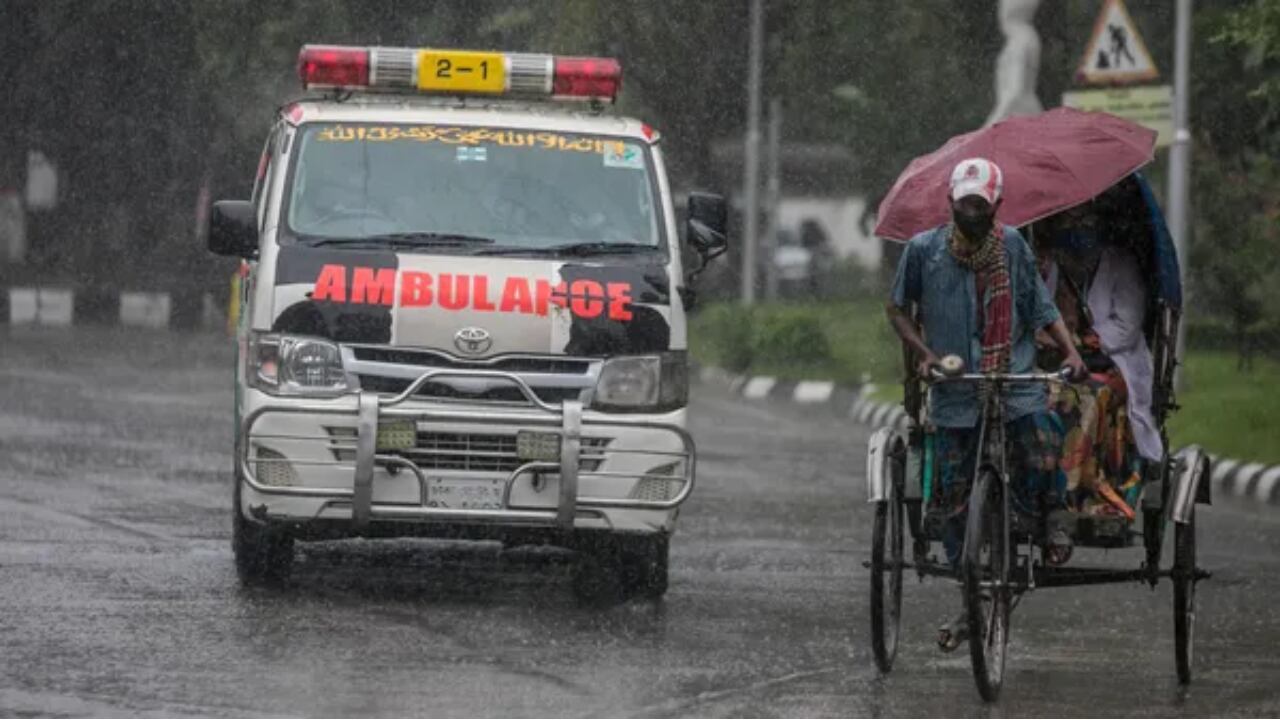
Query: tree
x,y
1235,256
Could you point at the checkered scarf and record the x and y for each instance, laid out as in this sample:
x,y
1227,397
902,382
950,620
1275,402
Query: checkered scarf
x,y
988,263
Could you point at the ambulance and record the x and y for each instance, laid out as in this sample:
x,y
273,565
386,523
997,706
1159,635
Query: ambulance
x,y
463,316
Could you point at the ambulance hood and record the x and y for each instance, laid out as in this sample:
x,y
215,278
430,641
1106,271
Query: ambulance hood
x,y
474,306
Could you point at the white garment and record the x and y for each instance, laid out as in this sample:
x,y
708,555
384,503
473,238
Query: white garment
x,y
1118,301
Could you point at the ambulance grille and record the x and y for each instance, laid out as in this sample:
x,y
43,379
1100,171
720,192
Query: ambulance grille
x,y
474,452
440,391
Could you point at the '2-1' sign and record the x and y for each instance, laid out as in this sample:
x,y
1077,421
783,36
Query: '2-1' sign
x,y
462,72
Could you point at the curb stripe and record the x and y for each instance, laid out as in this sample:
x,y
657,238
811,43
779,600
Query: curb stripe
x,y
1267,484
1222,468
813,391
757,388
855,407
864,415
1245,477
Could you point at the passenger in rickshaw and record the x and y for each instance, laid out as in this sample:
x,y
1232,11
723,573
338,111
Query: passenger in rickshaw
x,y
1089,258
980,297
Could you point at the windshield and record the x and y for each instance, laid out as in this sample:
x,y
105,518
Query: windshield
x,y
501,188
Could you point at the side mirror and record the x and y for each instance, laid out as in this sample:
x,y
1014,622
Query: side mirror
x,y
705,228
233,229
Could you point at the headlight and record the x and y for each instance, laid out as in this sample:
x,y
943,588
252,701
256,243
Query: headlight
x,y
644,383
287,365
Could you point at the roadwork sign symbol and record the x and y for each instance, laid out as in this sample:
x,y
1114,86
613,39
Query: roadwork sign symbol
x,y
1115,54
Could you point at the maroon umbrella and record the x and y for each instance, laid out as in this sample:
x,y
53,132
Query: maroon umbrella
x,y
1051,161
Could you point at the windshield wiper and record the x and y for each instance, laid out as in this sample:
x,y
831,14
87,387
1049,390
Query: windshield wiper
x,y
406,240
579,249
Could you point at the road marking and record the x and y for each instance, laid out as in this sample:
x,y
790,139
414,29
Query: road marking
x,y
679,705
84,521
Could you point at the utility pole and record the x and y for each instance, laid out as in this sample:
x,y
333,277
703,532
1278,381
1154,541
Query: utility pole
x,y
751,157
773,197
1180,155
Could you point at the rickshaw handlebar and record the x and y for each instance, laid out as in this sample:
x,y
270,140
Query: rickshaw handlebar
x,y
936,375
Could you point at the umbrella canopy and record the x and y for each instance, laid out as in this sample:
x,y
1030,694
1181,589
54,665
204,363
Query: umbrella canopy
x,y
1051,161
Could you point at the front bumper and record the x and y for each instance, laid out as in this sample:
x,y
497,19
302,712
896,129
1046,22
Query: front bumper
x,y
327,453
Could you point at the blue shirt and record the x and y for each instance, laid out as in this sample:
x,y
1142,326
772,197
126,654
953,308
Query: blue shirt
x,y
946,294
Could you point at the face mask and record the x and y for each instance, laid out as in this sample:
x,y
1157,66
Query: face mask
x,y
975,227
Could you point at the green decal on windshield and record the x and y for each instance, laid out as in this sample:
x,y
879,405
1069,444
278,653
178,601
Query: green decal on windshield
x,y
623,155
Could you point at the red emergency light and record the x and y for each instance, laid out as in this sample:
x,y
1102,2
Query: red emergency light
x,y
459,72
333,66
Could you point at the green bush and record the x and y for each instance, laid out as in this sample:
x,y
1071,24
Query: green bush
x,y
720,335
788,335
841,341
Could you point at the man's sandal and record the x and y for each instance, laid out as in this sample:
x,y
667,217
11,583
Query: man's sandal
x,y
1058,547
951,635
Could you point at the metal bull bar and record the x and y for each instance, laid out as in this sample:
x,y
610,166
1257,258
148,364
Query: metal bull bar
x,y
565,419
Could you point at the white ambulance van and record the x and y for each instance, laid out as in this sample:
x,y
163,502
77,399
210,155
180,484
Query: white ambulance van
x,y
464,302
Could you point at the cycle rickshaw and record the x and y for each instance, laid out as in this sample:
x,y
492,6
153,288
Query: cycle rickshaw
x,y
1001,561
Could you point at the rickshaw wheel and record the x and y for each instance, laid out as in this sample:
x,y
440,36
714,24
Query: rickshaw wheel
x,y
985,549
886,580
1184,596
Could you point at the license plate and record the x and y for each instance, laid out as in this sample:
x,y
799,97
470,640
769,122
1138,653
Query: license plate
x,y
465,493
465,72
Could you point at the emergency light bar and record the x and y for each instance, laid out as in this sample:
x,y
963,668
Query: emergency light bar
x,y
453,72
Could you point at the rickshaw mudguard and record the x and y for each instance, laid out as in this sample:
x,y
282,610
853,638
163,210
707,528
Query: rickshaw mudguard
x,y
879,448
1190,483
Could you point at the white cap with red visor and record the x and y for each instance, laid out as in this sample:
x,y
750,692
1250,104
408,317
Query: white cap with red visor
x,y
977,176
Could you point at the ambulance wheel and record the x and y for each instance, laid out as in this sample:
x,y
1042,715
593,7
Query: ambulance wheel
x,y
263,554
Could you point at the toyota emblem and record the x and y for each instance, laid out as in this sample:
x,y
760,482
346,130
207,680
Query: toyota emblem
x,y
472,341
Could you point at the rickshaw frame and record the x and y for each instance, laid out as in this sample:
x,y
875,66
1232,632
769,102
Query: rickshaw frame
x,y
1171,488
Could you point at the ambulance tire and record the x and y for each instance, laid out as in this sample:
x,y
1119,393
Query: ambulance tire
x,y
645,566
263,555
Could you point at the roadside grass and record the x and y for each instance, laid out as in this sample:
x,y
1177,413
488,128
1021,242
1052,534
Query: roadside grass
x,y
1229,412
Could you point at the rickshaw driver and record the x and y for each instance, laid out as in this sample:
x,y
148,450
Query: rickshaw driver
x,y
945,271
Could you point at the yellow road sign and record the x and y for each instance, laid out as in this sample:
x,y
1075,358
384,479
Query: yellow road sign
x,y
1148,105
1116,54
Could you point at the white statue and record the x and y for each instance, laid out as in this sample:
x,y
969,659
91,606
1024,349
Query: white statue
x,y
1018,66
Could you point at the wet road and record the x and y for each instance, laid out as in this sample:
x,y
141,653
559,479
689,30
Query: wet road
x,y
118,597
